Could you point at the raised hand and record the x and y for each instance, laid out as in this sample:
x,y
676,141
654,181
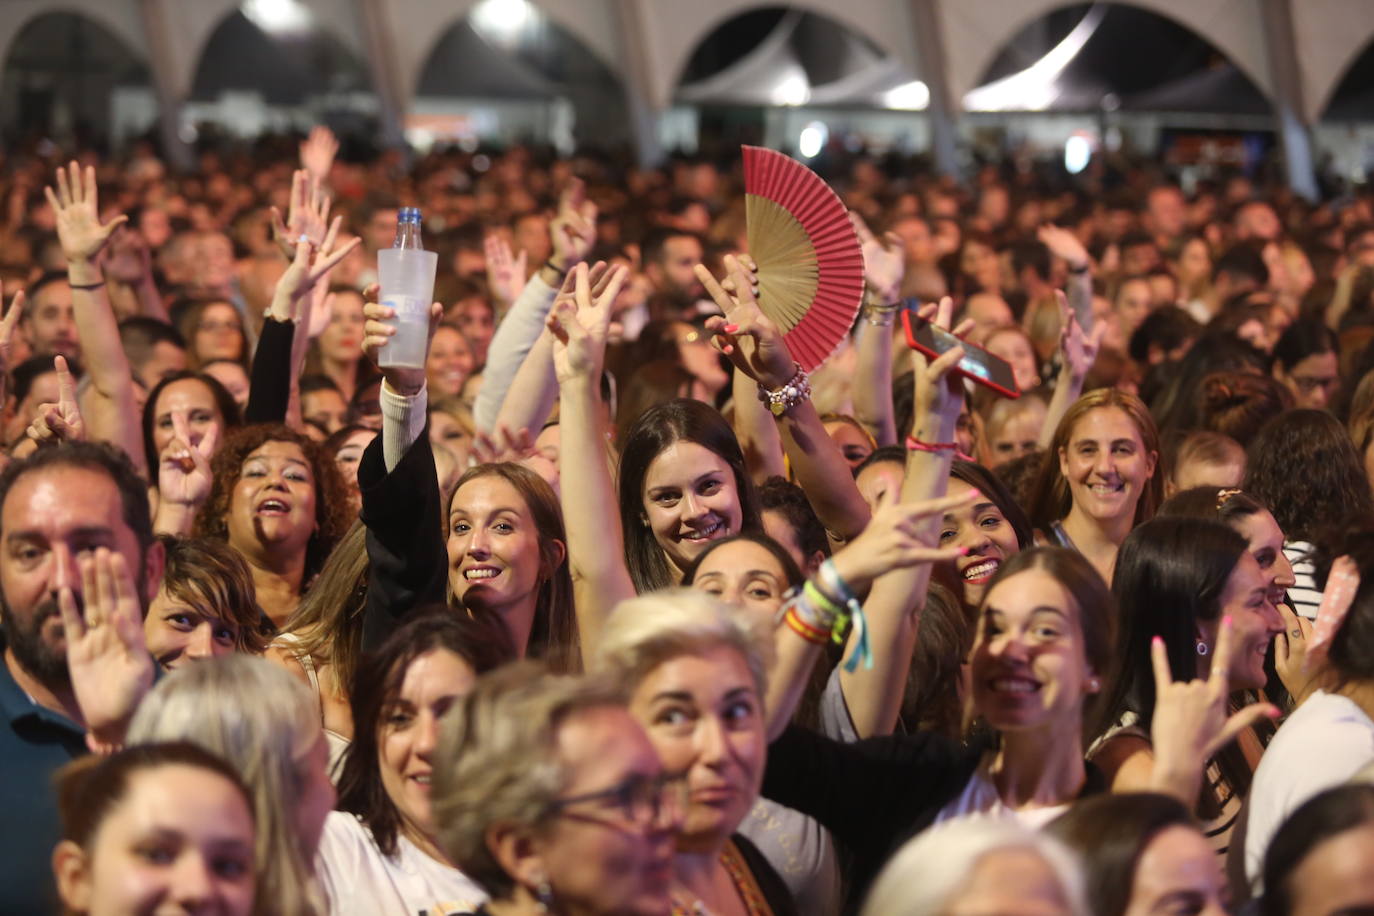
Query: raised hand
x,y
502,445
183,468
939,392
318,151
307,269
307,215
110,667
1064,245
580,322
505,274
893,539
745,334
79,228
574,228
60,422
884,263
376,332
1191,721
1079,349
7,324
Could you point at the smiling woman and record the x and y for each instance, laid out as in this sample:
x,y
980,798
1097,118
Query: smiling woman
x,y
282,505
682,484
379,852
1099,481
1177,579
507,559
205,607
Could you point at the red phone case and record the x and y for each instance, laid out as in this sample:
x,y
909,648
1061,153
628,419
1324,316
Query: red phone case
x,y
911,341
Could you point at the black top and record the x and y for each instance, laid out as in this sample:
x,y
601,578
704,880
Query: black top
x,y
269,387
774,891
407,560
874,795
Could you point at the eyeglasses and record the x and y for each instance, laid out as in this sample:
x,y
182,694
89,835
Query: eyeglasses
x,y
640,800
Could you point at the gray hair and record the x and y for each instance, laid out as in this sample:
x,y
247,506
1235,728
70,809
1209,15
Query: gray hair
x,y
926,874
643,633
497,760
261,721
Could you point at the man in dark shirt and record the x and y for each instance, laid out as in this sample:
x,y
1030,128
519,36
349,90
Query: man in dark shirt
x,y
57,508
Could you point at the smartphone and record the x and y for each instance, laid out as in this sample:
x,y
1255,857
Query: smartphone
x,y
977,364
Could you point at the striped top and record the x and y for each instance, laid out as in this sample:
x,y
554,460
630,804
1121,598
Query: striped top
x,y
1304,594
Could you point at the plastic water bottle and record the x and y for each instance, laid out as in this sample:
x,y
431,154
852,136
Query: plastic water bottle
x,y
406,274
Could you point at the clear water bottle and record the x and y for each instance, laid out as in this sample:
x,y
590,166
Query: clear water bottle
x,y
405,272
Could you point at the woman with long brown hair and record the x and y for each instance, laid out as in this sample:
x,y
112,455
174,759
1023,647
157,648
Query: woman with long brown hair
x,y
1099,477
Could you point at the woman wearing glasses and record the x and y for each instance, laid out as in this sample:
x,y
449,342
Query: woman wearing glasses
x,y
548,795
695,672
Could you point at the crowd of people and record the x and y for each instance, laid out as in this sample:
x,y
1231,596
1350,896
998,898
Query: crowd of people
x,y
611,609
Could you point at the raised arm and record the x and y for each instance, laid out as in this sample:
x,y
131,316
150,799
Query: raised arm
x,y
573,234
891,541
1079,350
872,388
1064,245
532,393
873,697
596,552
407,559
756,347
110,410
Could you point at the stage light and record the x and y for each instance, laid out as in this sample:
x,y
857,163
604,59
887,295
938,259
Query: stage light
x,y
813,139
1078,152
277,17
503,21
912,96
792,90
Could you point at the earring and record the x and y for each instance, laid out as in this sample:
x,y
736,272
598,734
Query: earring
x,y
1094,684
543,893
1202,648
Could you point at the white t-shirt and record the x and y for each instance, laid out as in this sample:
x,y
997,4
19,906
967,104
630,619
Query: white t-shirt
x,y
1321,745
980,799
359,880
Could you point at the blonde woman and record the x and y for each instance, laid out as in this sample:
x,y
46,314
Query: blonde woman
x,y
322,642
547,794
696,674
263,723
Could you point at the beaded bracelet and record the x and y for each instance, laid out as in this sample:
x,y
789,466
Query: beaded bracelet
x,y
780,400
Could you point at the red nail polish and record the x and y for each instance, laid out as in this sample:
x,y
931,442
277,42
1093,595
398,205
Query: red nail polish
x,y
963,551
730,328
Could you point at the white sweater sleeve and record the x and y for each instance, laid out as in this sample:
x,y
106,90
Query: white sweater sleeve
x,y
516,335
403,419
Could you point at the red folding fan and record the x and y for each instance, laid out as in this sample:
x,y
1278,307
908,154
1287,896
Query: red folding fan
x,y
811,266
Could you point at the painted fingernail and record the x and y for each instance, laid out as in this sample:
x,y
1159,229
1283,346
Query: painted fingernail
x,y
731,328
1158,640
963,551
1273,712
1226,621
728,349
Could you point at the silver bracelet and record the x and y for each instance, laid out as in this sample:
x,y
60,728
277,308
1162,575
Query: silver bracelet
x,y
780,400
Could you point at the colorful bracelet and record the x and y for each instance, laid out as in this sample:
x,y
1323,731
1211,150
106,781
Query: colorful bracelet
x,y
916,445
863,652
803,629
780,400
